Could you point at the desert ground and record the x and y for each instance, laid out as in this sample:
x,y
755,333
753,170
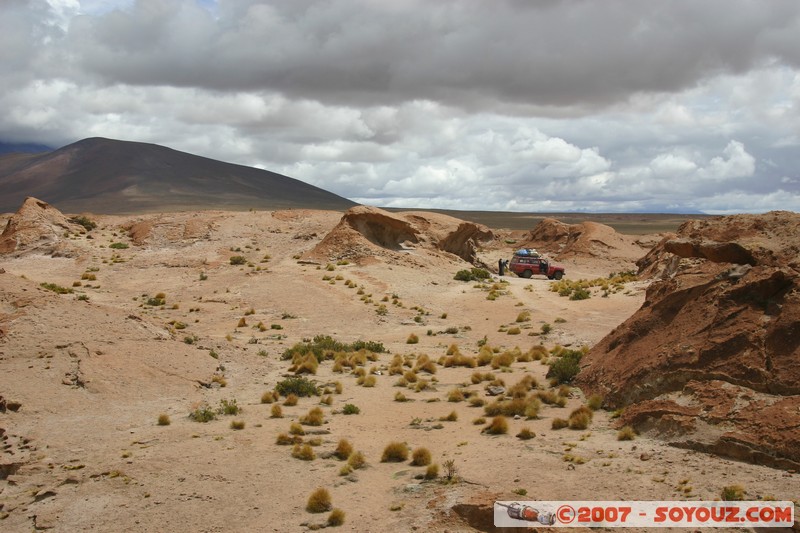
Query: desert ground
x,y
90,372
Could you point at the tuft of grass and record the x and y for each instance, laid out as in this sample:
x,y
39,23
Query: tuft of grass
x,y
479,421
421,457
452,417
296,429
732,493
412,339
356,461
513,330
580,418
455,395
344,449
432,472
304,452
268,397
277,412
336,518
395,452
594,402
498,426
559,423
163,419
237,424
58,289
400,397
314,417
319,501
238,260
290,400
525,434
626,433
284,439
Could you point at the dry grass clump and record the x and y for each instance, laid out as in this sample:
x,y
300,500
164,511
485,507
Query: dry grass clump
x,y
452,417
432,472
524,316
525,434
626,433
296,429
344,449
425,364
479,421
242,323
303,452
475,401
528,407
367,381
304,364
410,376
394,452
594,402
478,377
522,387
580,418
513,330
559,423
400,397
502,360
284,439
291,400
163,419
455,395
268,397
314,417
422,385
237,424
459,359
357,461
319,501
336,518
396,365
412,339
277,412
498,426
421,457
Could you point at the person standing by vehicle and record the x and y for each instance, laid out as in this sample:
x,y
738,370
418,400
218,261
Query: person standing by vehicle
x,y
501,267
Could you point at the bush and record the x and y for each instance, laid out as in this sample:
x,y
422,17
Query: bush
x,y
267,397
564,369
238,260
412,339
546,328
498,426
298,386
336,518
204,413
344,449
237,424
594,402
319,501
58,289
475,274
350,409
291,400
580,418
229,407
325,345
432,472
395,452
87,223
421,457
277,412
296,429
118,245
559,423
163,420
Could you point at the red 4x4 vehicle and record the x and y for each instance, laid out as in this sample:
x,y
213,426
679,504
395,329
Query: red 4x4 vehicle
x,y
525,266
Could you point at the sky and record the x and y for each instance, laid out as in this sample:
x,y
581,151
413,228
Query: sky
x,y
499,105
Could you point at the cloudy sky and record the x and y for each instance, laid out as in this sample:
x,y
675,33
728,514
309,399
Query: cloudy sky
x,y
522,105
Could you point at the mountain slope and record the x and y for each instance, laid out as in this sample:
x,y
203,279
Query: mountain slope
x,y
111,176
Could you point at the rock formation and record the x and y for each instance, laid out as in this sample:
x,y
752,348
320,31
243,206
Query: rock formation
x,y
590,239
712,358
368,231
35,226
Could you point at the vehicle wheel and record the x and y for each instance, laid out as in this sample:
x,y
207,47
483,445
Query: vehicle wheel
x,y
558,275
526,274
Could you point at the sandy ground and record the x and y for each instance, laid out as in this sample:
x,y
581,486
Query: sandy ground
x,y
93,376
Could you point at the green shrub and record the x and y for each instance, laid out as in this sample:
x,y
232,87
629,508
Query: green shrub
x,y
298,386
238,260
204,413
731,493
58,289
350,409
118,245
475,274
564,369
87,223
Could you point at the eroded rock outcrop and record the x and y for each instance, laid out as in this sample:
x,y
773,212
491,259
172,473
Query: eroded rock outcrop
x,y
368,231
587,239
712,358
37,225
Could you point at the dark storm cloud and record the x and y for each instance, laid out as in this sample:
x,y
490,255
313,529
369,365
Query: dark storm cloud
x,y
470,53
